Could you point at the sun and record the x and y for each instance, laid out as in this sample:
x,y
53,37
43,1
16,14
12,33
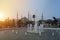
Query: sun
x,y
2,16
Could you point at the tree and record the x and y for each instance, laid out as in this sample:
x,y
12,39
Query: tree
x,y
20,23
39,22
55,21
13,22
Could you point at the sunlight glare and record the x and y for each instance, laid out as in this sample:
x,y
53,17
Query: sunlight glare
x,y
2,16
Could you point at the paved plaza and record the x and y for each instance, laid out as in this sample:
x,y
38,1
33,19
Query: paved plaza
x,y
22,34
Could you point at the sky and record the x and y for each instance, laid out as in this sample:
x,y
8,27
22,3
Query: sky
x,y
49,8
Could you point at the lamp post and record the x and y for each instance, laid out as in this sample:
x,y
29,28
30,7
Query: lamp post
x,y
34,18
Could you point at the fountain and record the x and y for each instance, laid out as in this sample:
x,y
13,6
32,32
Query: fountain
x,y
36,29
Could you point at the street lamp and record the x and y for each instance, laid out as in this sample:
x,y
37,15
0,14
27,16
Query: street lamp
x,y
34,18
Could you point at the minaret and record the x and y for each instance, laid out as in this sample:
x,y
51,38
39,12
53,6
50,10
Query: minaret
x,y
17,16
28,15
21,15
17,19
28,19
42,16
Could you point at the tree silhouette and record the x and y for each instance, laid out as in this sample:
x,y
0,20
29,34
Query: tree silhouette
x,y
39,22
55,21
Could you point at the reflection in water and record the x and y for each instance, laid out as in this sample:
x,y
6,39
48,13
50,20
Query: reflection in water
x,y
20,34
12,30
1,32
39,33
16,31
25,33
52,33
59,33
56,30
